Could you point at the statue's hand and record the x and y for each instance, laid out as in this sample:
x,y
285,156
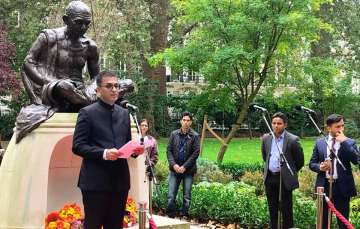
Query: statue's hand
x,y
46,80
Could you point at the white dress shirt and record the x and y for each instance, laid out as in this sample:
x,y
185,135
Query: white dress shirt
x,y
336,149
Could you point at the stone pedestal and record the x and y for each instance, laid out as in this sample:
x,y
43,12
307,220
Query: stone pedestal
x,y
167,223
40,174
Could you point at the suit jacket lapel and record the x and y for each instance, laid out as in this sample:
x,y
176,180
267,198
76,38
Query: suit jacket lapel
x,y
268,147
285,142
324,147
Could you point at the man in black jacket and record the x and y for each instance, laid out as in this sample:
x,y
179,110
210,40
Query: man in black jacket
x,y
104,180
343,181
182,151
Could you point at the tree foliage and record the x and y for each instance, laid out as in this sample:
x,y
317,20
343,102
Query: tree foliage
x,y
342,43
8,82
24,20
237,45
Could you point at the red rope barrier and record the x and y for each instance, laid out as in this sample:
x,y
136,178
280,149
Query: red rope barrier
x,y
152,223
338,214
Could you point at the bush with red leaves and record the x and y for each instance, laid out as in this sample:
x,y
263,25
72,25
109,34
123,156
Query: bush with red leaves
x,y
9,84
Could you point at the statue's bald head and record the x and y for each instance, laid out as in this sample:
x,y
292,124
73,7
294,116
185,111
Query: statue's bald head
x,y
78,9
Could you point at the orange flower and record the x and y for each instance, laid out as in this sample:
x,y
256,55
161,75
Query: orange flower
x,y
59,224
130,215
70,213
52,225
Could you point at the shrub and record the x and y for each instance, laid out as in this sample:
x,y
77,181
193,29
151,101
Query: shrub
x,y
161,171
351,128
355,212
357,180
232,203
213,176
304,211
236,202
160,196
210,171
207,171
207,164
7,121
307,182
255,179
237,170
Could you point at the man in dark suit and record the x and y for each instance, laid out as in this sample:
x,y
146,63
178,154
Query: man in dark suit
x,y
101,129
290,146
345,149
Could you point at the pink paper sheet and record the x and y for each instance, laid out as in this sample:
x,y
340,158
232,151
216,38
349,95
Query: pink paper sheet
x,y
129,148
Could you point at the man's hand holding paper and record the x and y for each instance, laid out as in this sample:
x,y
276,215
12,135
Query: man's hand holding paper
x,y
111,154
130,148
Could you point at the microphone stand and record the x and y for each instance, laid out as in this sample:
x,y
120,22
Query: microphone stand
x,y
332,157
151,173
151,176
283,161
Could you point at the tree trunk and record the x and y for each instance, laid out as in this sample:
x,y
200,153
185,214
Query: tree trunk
x,y
321,48
235,127
250,131
159,28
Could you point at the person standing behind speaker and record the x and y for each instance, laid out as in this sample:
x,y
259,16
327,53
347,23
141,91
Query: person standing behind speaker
x,y
150,144
346,150
293,152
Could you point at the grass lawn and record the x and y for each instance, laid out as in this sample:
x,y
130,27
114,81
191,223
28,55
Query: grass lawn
x,y
241,150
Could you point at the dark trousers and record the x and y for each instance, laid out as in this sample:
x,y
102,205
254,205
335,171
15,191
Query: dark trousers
x,y
104,209
341,203
272,184
174,183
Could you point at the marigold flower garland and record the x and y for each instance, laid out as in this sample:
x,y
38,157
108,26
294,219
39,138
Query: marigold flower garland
x,y
130,213
69,217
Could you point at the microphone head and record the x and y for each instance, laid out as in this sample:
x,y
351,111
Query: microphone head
x,y
131,107
254,107
298,107
251,107
122,102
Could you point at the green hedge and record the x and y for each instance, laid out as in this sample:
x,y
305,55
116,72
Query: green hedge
x,y
236,202
355,212
237,170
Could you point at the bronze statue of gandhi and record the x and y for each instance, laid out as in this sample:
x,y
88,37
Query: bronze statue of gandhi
x,y
54,67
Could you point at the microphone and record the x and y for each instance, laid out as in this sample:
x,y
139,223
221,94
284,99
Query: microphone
x,y
125,104
254,107
129,106
304,109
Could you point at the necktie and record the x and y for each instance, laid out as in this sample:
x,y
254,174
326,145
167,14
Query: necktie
x,y
333,161
333,145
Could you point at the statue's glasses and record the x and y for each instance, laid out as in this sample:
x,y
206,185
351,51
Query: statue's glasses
x,y
110,86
